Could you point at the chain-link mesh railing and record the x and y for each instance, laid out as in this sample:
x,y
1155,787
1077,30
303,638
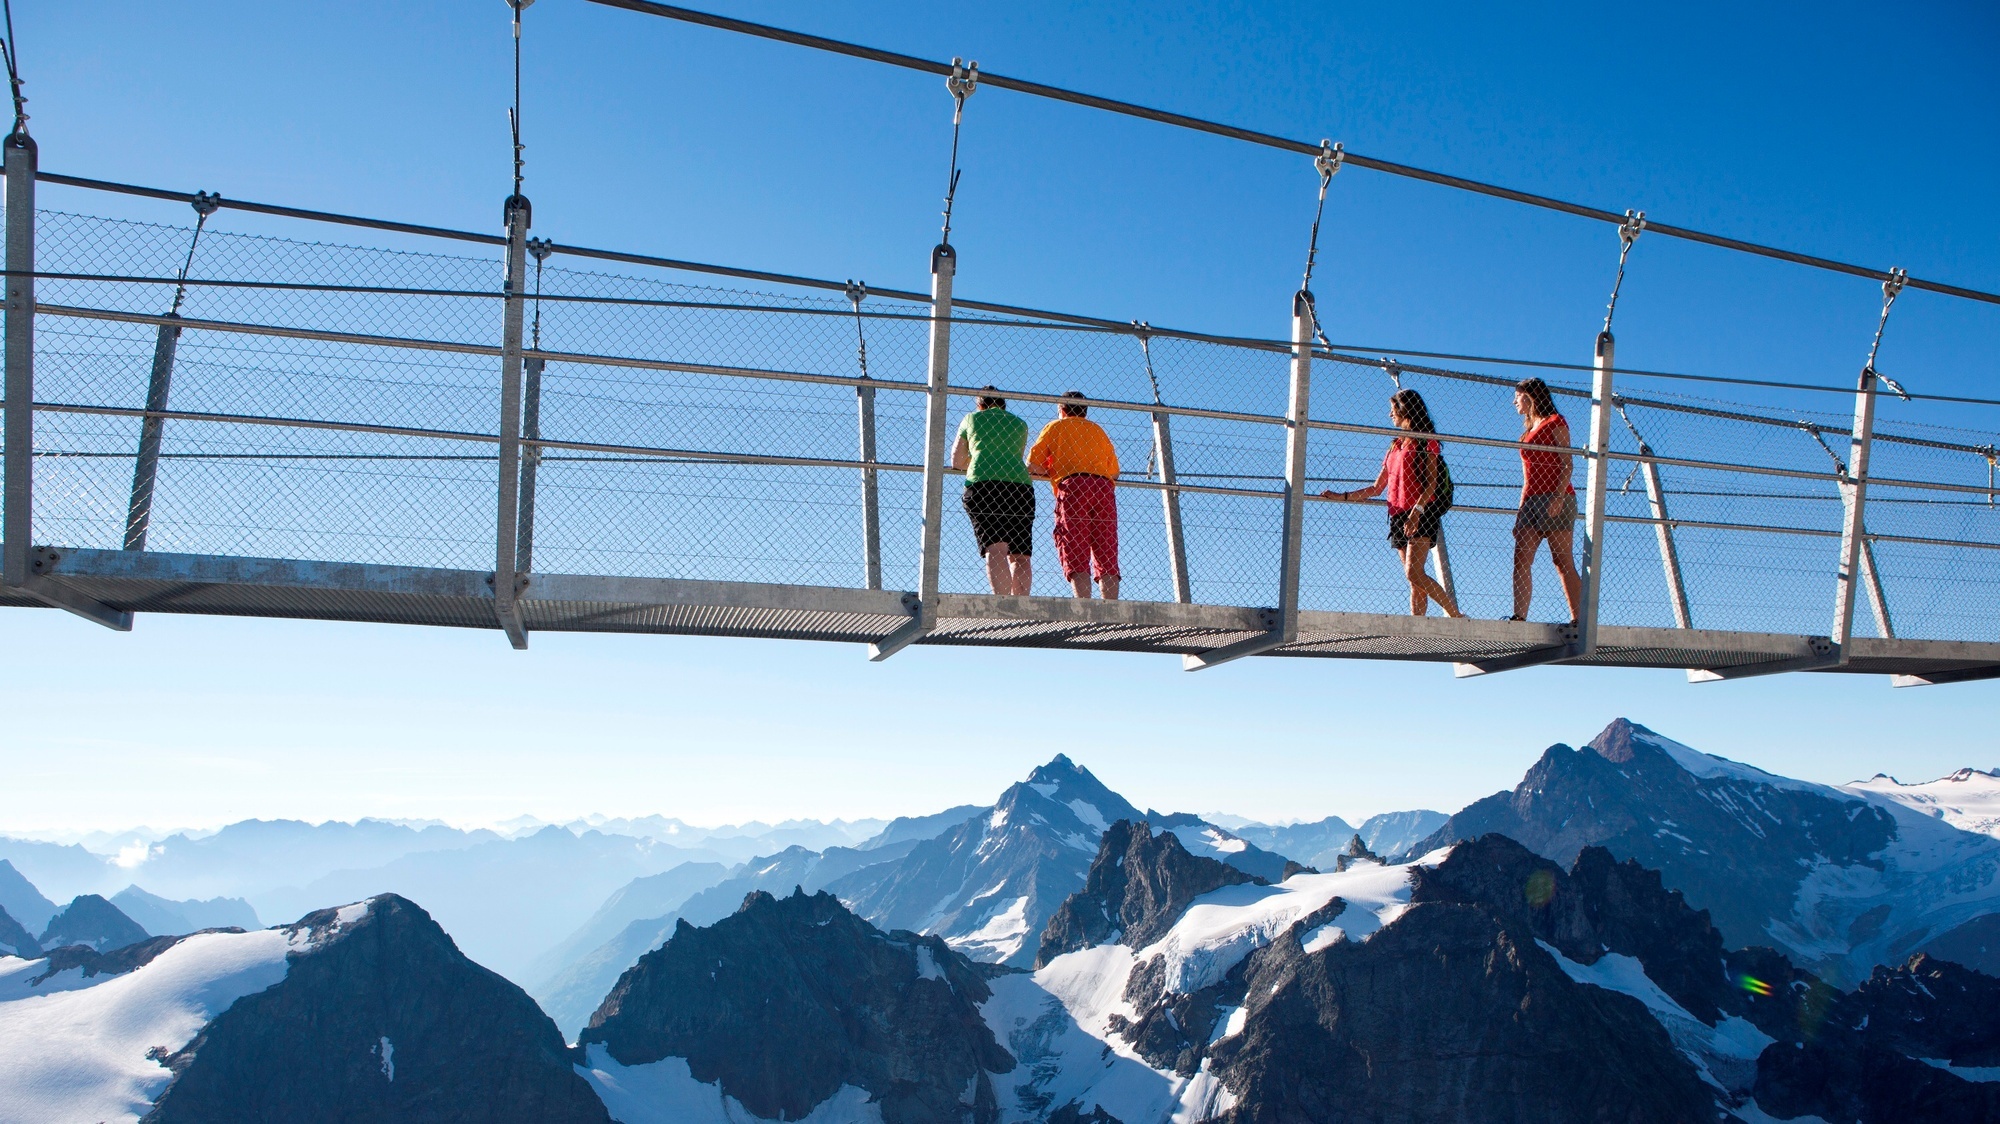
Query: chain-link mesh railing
x,y
340,402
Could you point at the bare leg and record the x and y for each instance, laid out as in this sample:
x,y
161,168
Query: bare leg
x,y
1110,587
1423,587
996,568
1024,573
1525,543
1564,556
1079,584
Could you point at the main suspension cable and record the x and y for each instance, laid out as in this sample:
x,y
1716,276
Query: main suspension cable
x,y
1214,128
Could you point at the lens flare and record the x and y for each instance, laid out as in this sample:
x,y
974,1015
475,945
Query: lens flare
x,y
1753,985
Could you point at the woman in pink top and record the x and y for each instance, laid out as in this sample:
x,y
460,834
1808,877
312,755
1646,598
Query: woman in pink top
x,y
1411,476
1548,501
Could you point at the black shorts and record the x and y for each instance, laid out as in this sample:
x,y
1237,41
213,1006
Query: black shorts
x,y
1533,518
1002,511
1428,526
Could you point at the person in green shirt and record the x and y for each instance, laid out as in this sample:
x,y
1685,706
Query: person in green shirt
x,y
999,497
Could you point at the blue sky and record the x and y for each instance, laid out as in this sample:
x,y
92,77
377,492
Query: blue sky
x,y
1843,130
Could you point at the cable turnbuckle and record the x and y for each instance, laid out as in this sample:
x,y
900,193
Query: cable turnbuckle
x,y
963,80
206,203
541,248
1331,156
1632,227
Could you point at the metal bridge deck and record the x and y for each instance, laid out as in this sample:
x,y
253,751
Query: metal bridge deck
x,y
151,582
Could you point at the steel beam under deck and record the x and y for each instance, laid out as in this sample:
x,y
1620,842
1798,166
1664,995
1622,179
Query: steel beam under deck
x,y
144,581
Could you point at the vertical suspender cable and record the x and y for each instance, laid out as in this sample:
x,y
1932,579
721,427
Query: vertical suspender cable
x,y
922,603
1855,552
509,581
1597,467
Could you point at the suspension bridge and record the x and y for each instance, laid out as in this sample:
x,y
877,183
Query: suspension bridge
x,y
361,419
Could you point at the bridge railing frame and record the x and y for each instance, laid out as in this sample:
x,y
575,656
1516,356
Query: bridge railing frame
x,y
511,567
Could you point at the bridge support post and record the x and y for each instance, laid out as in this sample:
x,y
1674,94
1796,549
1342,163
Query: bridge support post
x,y
1596,479
22,566
937,401
1170,503
508,580
1297,411
531,462
146,466
1853,528
871,498
19,516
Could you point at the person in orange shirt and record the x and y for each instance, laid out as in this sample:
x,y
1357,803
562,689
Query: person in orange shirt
x,y
1075,456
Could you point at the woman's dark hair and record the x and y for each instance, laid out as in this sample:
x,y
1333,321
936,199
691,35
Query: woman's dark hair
x,y
1538,394
992,401
1073,411
1409,405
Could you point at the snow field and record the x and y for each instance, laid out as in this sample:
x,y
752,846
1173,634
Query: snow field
x,y
1056,1022
665,1092
75,1049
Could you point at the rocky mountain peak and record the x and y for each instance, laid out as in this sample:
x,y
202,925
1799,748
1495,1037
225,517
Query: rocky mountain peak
x,y
378,1013
93,921
1614,742
1138,886
788,1000
1070,786
1357,852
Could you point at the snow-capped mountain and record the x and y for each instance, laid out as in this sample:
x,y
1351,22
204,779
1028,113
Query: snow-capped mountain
x,y
1968,799
989,885
369,1007
1481,982
1839,880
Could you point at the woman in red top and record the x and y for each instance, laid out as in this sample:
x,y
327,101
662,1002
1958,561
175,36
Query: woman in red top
x,y
1548,502
1410,475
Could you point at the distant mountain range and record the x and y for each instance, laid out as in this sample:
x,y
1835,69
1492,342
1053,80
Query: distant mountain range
x,y
1968,799
1638,931
1478,982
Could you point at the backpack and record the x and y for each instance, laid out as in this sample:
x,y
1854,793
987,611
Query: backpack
x,y
1441,498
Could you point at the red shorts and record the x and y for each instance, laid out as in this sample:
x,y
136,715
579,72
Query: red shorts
x,y
1087,526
